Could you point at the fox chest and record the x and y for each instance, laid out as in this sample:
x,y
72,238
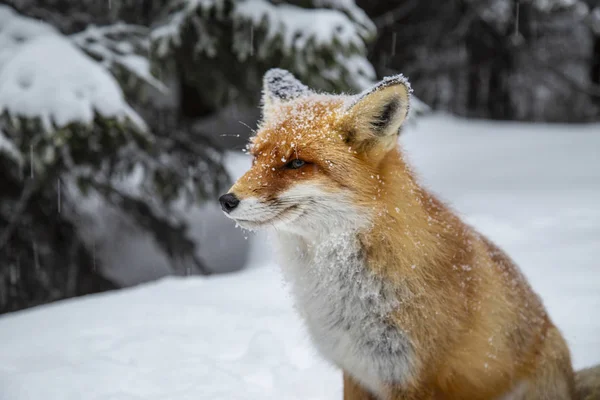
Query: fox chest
x,y
346,309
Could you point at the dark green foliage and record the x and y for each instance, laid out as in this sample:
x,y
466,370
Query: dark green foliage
x,y
195,38
41,254
499,59
175,61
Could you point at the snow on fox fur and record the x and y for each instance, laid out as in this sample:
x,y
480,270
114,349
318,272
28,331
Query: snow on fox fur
x,y
400,294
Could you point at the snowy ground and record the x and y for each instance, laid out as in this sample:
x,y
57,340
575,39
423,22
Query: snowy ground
x,y
534,189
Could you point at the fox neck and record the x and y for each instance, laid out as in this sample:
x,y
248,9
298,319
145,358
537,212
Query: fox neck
x,y
395,221
410,229
347,282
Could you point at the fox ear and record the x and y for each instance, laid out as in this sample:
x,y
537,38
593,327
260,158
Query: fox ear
x,y
280,85
378,113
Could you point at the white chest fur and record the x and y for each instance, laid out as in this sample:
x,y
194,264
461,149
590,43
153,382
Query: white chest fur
x,y
346,307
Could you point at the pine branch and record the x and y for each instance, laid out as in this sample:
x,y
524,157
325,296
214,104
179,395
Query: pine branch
x,y
30,188
172,238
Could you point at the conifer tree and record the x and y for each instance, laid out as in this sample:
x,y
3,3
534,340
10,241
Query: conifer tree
x,y
92,106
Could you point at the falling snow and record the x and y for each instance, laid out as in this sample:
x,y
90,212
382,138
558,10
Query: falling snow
x,y
58,192
238,336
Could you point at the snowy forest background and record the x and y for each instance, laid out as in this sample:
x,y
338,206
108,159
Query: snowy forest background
x,y
116,116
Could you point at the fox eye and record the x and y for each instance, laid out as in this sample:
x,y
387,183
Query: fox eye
x,y
295,164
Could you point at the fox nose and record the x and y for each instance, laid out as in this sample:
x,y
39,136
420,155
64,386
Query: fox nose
x,y
228,202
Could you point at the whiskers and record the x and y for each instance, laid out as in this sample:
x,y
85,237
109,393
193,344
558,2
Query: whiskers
x,y
274,213
305,210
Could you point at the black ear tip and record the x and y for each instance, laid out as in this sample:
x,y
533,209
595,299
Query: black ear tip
x,y
282,84
275,74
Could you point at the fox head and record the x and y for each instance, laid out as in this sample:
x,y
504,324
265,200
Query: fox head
x,y
317,158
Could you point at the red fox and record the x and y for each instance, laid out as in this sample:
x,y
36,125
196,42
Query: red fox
x,y
406,299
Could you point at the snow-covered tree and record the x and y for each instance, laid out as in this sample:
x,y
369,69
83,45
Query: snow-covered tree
x,y
68,129
94,103
225,46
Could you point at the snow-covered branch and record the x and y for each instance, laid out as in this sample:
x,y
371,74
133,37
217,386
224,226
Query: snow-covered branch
x,y
37,83
325,45
120,48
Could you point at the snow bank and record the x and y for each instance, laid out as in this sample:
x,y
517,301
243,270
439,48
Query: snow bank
x,y
219,338
534,189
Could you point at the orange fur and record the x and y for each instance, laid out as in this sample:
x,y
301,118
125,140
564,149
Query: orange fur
x,y
478,329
